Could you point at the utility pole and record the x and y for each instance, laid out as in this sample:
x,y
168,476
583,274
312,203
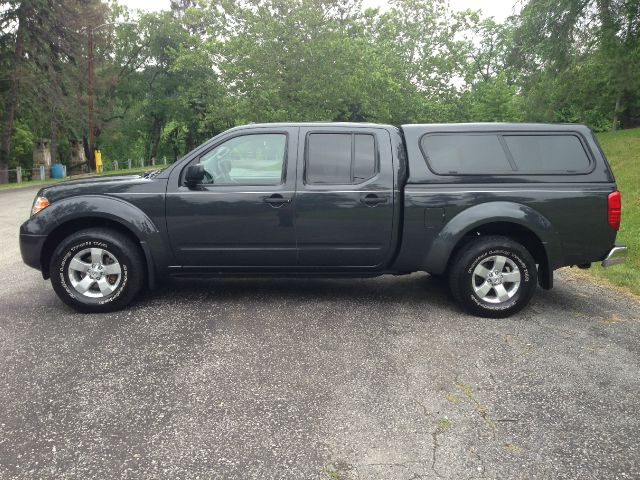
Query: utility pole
x,y
91,90
91,159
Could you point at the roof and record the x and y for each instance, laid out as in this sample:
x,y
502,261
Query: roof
x,y
495,126
314,124
480,126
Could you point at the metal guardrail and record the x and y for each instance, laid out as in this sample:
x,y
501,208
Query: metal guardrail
x,y
19,174
129,164
42,173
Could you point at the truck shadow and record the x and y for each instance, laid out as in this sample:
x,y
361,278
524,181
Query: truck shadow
x,y
419,288
419,291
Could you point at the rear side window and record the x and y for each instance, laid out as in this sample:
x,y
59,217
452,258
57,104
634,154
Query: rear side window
x,y
364,160
340,158
547,153
498,154
465,154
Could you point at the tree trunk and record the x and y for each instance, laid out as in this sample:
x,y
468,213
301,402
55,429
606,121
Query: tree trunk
x,y
609,45
156,130
174,144
616,113
10,106
85,146
189,140
626,115
54,140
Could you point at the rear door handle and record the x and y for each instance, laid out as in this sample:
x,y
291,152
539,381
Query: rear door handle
x,y
276,200
371,200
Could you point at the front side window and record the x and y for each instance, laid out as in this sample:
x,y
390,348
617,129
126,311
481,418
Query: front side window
x,y
340,158
256,159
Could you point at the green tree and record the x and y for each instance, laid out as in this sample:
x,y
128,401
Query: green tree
x,y
563,40
43,73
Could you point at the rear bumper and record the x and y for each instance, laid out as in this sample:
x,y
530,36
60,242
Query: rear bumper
x,y
617,255
31,249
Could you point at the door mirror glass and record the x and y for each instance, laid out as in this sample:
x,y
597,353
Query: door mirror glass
x,y
194,175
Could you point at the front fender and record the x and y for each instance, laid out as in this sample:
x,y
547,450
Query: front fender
x,y
91,206
492,212
68,210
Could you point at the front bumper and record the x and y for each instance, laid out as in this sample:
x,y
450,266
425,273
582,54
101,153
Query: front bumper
x,y
617,255
31,249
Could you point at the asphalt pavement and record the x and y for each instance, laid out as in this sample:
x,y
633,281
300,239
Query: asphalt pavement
x,y
314,379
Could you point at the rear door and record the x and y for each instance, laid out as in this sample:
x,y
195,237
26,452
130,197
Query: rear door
x,y
344,200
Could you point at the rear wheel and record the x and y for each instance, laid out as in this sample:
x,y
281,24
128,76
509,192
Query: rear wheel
x,y
493,277
97,270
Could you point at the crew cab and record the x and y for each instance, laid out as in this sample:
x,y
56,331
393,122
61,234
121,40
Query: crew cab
x,y
494,207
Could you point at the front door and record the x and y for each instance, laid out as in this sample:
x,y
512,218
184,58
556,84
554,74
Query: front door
x,y
344,198
241,216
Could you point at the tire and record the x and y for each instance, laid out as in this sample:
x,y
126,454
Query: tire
x,y
103,263
479,290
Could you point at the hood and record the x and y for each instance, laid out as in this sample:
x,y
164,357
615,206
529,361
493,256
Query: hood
x,y
99,185
95,179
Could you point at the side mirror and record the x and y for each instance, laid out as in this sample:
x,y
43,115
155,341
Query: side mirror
x,y
194,175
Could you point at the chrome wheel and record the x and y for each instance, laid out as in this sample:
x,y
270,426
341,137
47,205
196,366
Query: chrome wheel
x,y
94,272
496,279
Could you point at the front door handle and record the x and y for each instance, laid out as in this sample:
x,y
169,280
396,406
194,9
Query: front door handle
x,y
372,200
276,200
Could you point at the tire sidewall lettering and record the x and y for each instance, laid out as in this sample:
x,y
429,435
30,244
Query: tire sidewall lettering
x,y
71,251
522,266
121,287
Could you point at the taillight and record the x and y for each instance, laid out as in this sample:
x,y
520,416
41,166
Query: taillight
x,y
614,210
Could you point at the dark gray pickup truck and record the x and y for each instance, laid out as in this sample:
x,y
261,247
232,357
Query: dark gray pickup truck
x,y
495,208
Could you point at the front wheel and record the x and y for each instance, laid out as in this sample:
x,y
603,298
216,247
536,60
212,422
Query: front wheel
x,y
493,277
97,270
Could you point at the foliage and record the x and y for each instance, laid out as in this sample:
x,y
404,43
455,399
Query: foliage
x,y
22,144
166,81
40,42
580,60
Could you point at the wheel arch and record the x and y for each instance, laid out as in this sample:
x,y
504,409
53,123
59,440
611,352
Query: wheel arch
x,y
65,229
101,212
516,221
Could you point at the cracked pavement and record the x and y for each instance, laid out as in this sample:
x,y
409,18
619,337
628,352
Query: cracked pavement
x,y
314,379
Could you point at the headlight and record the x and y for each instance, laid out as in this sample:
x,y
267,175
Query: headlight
x,y
38,204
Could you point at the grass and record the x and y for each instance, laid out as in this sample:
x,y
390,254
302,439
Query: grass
x,y
443,424
5,186
622,149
